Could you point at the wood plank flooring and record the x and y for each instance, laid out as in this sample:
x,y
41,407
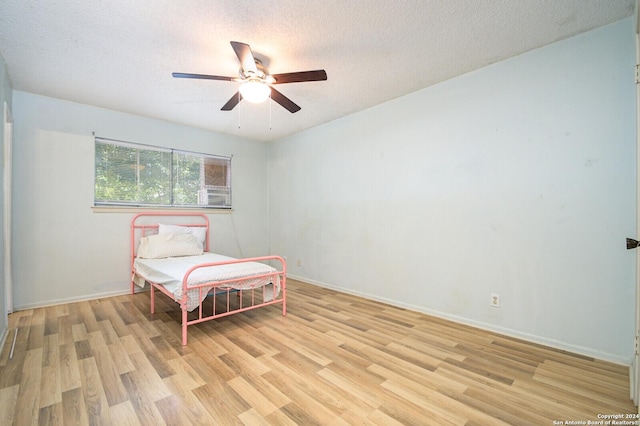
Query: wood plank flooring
x,y
335,359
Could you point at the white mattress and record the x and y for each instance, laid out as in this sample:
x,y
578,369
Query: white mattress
x,y
170,271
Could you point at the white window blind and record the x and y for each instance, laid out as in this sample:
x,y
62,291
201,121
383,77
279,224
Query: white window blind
x,y
130,174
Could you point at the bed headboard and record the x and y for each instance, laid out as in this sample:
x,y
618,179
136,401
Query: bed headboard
x,y
144,224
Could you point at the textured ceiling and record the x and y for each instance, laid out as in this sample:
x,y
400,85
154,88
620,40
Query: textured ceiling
x,y
120,54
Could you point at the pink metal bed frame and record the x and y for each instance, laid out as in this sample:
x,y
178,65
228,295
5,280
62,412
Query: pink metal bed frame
x,y
140,229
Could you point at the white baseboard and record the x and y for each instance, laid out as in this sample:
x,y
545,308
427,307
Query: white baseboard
x,y
551,343
84,298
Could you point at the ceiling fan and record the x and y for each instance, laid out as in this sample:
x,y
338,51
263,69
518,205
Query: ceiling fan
x,y
257,83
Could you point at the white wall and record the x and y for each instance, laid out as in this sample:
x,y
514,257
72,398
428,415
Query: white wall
x,y
62,249
5,97
517,179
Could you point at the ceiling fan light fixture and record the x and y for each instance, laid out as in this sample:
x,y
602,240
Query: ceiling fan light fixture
x,y
255,91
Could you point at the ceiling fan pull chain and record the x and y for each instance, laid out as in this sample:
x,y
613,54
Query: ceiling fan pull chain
x,y
239,110
270,110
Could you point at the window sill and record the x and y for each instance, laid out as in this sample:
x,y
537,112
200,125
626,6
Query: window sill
x,y
118,209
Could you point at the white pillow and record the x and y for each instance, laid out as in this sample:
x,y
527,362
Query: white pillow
x,y
198,231
159,246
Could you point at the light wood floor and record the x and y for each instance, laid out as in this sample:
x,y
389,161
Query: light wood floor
x,y
334,359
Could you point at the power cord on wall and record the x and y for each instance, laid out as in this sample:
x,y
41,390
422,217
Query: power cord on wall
x,y
235,234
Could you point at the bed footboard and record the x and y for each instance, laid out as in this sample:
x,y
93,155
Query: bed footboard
x,y
216,299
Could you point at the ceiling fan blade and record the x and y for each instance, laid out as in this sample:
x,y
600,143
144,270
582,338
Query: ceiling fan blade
x,y
231,103
287,103
299,77
202,76
244,54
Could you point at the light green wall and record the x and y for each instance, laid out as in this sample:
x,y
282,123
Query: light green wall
x,y
62,249
5,97
517,179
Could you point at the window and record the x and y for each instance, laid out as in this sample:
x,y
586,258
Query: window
x,y
128,174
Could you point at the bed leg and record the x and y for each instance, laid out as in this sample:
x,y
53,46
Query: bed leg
x,y
284,302
153,299
184,326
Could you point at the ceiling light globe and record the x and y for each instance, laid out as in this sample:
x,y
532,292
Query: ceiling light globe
x,y
254,91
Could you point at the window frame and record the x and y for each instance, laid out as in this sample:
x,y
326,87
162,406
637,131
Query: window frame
x,y
222,190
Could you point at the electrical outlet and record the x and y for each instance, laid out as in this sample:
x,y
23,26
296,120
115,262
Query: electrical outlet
x,y
495,300
299,262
